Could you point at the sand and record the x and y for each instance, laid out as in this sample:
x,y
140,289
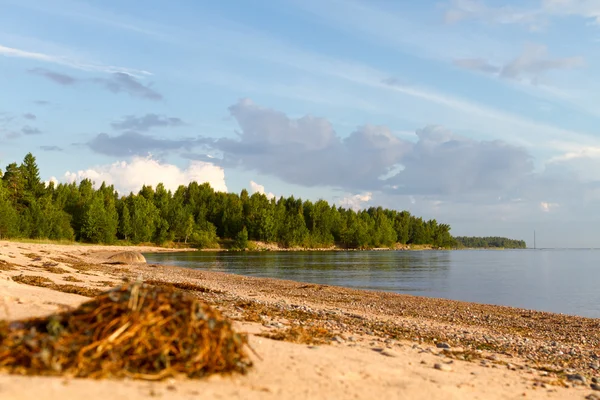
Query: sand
x,y
384,347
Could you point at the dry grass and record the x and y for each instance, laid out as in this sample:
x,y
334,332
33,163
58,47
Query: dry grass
x,y
6,266
55,270
71,279
302,335
34,280
137,331
192,287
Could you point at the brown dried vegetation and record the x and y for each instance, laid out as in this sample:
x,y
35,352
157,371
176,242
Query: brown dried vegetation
x,y
301,334
137,330
41,281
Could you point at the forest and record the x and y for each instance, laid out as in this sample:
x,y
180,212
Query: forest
x,y
489,242
196,215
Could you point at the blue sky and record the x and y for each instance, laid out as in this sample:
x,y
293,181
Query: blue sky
x,y
481,114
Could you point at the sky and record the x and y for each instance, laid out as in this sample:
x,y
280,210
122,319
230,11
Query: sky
x,y
482,114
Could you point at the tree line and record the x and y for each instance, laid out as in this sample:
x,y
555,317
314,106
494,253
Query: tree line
x,y
489,242
195,215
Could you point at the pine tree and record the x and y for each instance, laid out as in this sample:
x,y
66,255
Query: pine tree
x,y
31,176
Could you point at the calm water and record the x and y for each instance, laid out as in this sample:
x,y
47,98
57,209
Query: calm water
x,y
562,281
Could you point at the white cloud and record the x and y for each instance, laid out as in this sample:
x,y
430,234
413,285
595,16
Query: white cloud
x,y
547,207
356,201
256,188
68,62
582,8
131,176
534,18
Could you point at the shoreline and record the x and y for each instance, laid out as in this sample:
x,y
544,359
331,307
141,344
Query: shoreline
x,y
486,351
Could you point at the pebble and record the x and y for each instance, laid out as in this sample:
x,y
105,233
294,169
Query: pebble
x,y
576,377
442,345
595,380
338,339
595,386
389,353
592,397
442,367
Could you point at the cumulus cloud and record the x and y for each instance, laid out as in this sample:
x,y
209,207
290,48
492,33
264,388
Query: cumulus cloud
x,y
133,143
443,163
131,176
146,122
533,62
355,202
307,150
117,82
256,188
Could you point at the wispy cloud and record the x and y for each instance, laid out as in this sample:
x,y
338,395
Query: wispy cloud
x,y
122,82
28,130
146,122
133,143
117,82
51,148
68,62
534,18
61,79
533,62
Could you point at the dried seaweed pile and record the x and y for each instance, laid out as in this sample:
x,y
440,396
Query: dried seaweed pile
x,y
137,330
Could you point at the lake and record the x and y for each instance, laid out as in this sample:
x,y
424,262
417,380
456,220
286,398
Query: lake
x,y
560,281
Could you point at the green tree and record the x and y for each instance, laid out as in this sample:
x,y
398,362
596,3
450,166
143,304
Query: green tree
x,y
31,176
9,219
241,240
125,228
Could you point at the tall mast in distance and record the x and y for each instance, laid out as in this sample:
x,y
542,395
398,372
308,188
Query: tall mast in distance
x,y
534,246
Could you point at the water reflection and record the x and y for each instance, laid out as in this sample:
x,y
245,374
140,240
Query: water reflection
x,y
553,280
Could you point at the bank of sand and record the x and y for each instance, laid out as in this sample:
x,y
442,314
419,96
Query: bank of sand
x,y
384,344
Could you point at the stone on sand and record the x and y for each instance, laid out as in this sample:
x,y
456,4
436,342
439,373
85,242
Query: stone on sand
x,y
128,257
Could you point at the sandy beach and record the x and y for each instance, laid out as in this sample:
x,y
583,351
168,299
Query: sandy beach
x,y
370,344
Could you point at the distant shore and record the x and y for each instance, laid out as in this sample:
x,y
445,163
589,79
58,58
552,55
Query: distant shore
x,y
381,344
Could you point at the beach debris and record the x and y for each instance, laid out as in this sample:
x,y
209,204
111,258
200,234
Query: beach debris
x,y
442,345
576,378
595,386
41,281
442,367
389,353
137,331
301,334
127,257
